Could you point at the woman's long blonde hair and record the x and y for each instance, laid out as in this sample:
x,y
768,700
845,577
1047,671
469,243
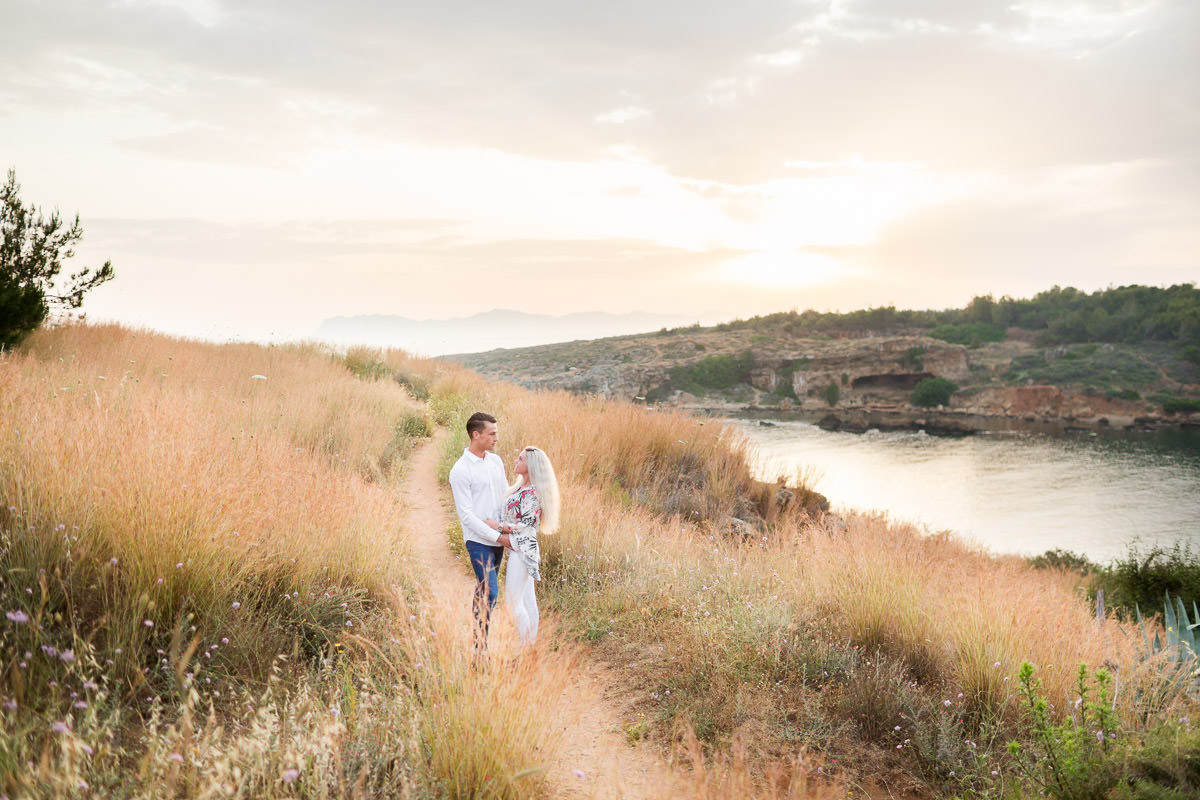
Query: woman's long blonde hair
x,y
542,478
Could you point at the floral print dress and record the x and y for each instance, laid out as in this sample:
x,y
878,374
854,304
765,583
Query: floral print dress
x,y
523,512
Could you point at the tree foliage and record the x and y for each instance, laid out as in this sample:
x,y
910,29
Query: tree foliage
x,y
972,334
33,249
1123,314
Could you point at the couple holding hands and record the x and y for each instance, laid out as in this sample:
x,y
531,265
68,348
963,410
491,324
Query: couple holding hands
x,y
496,516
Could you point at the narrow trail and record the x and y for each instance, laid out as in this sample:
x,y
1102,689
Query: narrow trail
x,y
590,713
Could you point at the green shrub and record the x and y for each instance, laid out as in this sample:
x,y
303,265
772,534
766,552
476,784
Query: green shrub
x,y
971,334
714,372
1063,559
1089,754
1179,405
832,393
1117,367
1141,579
933,392
1075,758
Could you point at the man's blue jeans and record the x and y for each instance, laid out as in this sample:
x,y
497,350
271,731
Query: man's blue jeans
x,y
485,560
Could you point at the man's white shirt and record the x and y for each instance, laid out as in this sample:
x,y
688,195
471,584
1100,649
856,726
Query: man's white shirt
x,y
479,487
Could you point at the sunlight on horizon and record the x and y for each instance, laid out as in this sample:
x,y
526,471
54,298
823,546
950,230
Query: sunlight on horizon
x,y
782,270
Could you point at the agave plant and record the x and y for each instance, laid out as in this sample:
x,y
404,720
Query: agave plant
x,y
1182,634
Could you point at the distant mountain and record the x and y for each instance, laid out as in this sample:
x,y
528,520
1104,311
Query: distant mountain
x,y
490,329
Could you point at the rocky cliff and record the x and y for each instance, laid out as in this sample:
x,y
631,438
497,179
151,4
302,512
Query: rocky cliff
x,y
860,380
634,368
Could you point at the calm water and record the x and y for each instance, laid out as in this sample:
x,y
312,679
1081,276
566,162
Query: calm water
x,y
1011,492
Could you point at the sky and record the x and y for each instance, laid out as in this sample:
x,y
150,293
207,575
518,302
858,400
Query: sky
x,y
253,168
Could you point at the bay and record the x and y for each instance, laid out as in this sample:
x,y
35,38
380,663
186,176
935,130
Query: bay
x,y
1009,491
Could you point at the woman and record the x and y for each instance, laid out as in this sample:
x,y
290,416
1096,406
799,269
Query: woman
x,y
531,508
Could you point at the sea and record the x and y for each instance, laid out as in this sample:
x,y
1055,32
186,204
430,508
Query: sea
x,y
1009,491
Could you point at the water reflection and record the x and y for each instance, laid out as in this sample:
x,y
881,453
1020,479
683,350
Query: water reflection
x,y
1010,491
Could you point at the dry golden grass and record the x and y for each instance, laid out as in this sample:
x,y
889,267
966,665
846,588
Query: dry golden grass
x,y
207,591
825,636
162,478
153,480
488,723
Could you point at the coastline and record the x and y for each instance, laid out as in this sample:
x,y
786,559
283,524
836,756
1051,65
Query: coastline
x,y
946,421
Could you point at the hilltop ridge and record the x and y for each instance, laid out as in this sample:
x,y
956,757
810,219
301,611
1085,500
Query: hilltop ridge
x,y
858,370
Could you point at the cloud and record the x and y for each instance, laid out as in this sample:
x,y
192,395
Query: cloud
x,y
736,91
1085,227
541,144
619,116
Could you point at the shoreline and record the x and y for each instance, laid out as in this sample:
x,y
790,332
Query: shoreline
x,y
947,422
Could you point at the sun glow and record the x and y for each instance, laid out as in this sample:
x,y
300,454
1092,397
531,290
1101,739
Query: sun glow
x,y
781,269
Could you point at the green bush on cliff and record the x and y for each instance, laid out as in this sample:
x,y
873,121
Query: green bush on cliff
x,y
972,334
720,371
933,392
1177,405
1123,394
1100,368
832,393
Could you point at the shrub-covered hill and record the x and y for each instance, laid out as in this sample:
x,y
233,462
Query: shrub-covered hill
x,y
1119,354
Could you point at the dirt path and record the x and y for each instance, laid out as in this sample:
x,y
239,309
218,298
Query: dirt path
x,y
591,713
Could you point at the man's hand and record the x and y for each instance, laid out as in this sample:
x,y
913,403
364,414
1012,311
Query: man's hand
x,y
491,523
505,541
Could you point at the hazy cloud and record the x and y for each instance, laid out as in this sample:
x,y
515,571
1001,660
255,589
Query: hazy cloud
x,y
875,76
930,138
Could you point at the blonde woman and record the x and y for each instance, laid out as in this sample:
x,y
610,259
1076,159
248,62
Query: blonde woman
x,y
530,508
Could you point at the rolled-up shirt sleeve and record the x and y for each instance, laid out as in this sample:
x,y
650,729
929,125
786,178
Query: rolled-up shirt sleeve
x,y
461,489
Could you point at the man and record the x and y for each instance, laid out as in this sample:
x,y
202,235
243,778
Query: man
x,y
479,485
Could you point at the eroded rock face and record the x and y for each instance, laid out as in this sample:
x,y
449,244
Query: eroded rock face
x,y
873,376
764,378
1049,402
865,370
879,369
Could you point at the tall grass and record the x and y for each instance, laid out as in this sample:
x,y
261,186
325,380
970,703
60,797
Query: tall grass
x,y
881,647
206,596
153,479
204,579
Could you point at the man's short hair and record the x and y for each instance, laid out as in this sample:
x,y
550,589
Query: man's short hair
x,y
477,422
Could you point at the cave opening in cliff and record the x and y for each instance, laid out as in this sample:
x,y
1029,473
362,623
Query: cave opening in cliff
x,y
902,381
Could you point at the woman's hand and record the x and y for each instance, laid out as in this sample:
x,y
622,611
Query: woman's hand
x,y
491,523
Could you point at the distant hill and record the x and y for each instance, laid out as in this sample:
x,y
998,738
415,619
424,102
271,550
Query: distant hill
x,y
489,330
1063,355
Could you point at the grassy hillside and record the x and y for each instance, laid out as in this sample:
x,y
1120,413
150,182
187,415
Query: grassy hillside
x,y
207,594
205,584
